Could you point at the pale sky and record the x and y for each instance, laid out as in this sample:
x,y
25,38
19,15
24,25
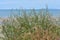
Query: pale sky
x,y
27,4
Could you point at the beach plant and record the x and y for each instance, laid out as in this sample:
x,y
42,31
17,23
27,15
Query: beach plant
x,y
38,26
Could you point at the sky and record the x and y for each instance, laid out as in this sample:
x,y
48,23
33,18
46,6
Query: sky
x,y
27,4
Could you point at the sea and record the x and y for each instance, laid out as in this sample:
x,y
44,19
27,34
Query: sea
x,y
7,12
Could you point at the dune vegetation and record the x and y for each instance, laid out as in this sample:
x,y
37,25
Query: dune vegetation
x,y
31,26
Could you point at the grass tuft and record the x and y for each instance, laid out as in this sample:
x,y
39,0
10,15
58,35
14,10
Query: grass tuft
x,y
33,27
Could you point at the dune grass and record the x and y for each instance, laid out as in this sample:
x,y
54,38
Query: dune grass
x,y
38,26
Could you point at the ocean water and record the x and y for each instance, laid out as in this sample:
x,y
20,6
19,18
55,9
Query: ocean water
x,y
7,12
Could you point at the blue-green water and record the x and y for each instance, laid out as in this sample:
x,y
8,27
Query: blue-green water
x,y
7,12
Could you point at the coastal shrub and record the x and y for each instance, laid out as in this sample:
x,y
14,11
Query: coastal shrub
x,y
31,25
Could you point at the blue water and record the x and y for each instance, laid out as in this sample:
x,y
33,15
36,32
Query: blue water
x,y
7,12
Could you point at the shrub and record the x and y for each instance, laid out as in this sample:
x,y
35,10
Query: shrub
x,y
38,26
